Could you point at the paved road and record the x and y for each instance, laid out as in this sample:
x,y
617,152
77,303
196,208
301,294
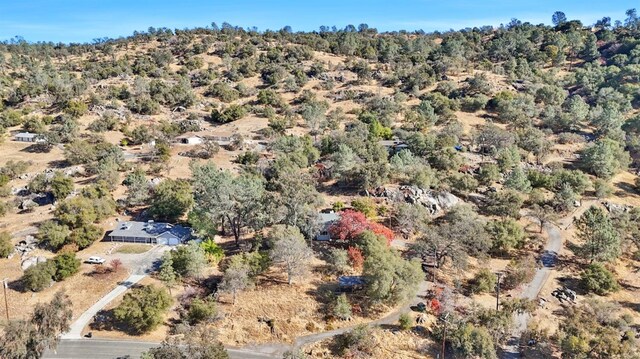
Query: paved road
x,y
74,347
115,349
548,258
85,318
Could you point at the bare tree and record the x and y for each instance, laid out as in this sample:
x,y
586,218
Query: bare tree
x,y
290,249
236,279
544,214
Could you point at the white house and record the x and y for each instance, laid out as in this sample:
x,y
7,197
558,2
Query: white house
x,y
27,137
190,140
326,220
150,233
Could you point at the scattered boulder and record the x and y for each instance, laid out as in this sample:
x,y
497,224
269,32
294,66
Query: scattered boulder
x,y
616,208
71,171
565,294
19,191
27,204
434,201
31,261
26,245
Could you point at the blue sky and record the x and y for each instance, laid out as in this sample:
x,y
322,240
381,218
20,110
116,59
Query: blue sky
x,y
84,20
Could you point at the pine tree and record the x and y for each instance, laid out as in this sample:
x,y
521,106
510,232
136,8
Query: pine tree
x,y
167,274
601,240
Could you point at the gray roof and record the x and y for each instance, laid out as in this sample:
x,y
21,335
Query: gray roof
x,y
26,135
149,230
328,217
350,281
393,143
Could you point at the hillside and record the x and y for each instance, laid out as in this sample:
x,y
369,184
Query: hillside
x,y
450,161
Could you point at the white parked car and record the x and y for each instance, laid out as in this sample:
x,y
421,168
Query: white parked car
x,y
95,260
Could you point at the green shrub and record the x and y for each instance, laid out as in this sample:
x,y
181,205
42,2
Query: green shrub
x,y
506,234
357,341
201,310
602,188
405,321
597,279
474,103
66,265
365,205
212,250
223,92
230,114
143,308
39,276
6,246
483,282
342,307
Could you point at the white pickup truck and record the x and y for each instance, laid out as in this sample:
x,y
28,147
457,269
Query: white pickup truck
x,y
95,260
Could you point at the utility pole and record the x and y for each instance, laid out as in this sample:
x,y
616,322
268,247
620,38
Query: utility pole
x,y
6,301
444,333
498,291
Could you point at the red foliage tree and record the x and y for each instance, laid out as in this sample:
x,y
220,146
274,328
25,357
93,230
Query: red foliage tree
x,y
435,306
116,264
352,223
382,230
355,257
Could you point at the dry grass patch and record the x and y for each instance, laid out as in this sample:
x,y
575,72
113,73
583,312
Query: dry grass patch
x,y
389,343
133,248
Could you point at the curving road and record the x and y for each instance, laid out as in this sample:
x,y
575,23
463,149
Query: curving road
x,y
120,349
72,347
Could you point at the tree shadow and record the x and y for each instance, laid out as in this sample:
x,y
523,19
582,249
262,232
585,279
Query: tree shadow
x,y
576,249
18,286
633,306
324,294
37,148
628,286
58,164
626,189
573,284
105,320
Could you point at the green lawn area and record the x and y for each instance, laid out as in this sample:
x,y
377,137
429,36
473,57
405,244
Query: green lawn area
x,y
133,248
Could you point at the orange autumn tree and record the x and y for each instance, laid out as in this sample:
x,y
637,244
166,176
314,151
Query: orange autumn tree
x,y
353,223
356,259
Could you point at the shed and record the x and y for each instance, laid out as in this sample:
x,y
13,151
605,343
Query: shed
x,y
221,138
350,283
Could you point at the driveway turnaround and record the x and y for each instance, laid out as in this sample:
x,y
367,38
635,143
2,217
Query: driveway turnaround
x,y
85,318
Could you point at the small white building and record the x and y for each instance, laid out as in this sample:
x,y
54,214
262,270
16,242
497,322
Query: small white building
x,y
28,137
326,220
190,140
